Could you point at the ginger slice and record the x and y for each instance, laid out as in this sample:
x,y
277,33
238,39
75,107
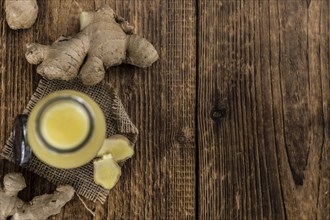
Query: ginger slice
x,y
106,172
118,146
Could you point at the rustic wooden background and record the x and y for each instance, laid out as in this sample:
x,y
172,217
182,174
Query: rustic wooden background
x,y
233,118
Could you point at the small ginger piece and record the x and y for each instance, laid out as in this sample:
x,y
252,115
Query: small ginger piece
x,y
41,207
21,14
105,39
106,172
118,146
10,204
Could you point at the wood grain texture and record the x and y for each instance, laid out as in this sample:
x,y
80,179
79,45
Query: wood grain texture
x,y
233,118
159,182
263,109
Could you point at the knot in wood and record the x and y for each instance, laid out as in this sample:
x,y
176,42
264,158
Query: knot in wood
x,y
181,139
217,114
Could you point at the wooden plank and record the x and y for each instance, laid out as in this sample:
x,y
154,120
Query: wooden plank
x,y
159,182
263,109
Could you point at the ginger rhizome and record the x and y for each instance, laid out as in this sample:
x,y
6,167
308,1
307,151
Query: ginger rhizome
x,y
21,14
105,38
41,207
116,148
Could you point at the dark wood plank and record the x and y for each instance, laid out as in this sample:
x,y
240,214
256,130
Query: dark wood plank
x,y
263,109
159,181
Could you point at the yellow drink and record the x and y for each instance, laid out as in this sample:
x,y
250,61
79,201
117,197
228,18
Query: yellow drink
x,y
65,125
66,129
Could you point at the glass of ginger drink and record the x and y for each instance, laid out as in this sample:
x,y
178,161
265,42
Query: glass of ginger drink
x,y
66,129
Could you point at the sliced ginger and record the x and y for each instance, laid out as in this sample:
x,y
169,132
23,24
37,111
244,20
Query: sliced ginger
x,y
106,172
118,146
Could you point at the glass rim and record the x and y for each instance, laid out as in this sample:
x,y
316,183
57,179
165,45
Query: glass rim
x,y
82,104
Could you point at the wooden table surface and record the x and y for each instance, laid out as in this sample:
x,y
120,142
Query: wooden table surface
x,y
233,118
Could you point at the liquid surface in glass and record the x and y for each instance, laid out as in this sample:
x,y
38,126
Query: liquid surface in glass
x,y
64,124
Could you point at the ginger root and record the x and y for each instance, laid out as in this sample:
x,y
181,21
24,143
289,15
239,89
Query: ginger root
x,y
106,172
105,38
21,14
41,207
118,146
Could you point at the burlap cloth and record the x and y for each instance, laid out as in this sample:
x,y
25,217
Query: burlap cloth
x,y
117,120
